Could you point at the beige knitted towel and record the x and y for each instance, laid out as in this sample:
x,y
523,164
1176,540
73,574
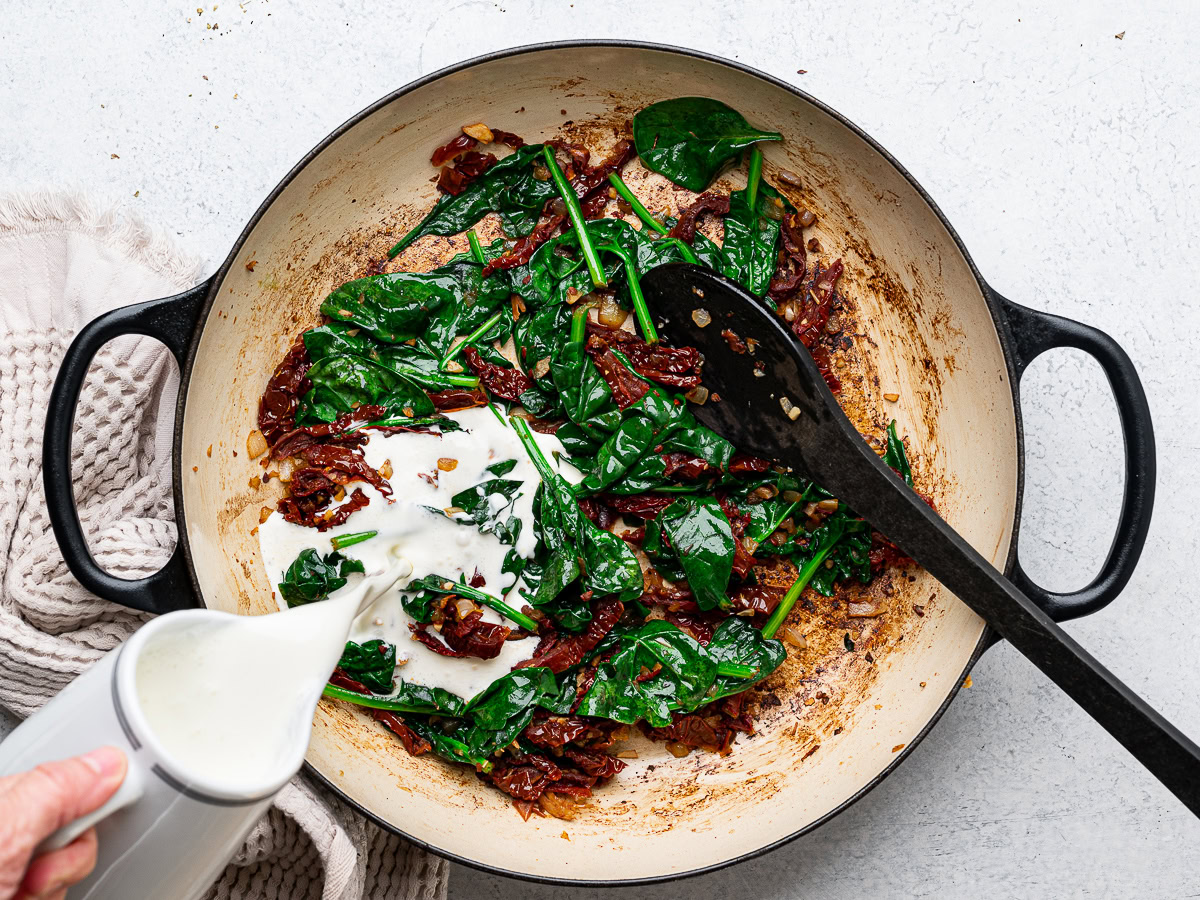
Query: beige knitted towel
x,y
63,262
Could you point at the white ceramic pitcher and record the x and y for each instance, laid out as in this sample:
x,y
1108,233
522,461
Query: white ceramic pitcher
x,y
168,831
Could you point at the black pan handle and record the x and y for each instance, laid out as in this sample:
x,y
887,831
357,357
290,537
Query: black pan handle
x,y
171,320
1033,333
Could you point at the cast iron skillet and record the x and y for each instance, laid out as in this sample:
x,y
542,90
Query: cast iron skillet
x,y
181,321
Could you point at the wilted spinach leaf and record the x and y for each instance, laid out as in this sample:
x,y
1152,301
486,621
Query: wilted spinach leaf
x,y
310,578
686,673
508,188
372,662
700,533
506,707
342,384
737,641
437,699
850,556
895,455
609,565
750,239
479,508
689,139
392,308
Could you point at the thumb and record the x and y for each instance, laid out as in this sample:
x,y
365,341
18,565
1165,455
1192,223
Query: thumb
x,y
44,799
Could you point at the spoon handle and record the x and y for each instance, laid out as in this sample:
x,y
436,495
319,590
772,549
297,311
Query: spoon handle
x,y
859,478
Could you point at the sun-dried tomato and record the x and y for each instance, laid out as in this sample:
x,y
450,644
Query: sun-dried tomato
x,y
277,407
570,651
674,366
413,742
626,387
460,144
685,228
507,384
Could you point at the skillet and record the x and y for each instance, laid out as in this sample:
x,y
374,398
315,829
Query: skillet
x,y
833,722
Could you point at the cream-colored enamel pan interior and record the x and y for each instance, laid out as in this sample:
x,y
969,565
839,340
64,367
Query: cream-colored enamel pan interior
x,y
831,720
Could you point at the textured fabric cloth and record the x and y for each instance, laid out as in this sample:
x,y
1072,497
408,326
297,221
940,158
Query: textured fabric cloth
x,y
63,262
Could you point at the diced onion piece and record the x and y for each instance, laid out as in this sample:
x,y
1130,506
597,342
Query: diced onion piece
x,y
446,464
264,514
807,217
773,209
386,469
256,444
560,806
790,178
480,132
464,607
790,634
828,506
891,398
610,314
698,395
678,750
701,317
792,496
792,412
542,368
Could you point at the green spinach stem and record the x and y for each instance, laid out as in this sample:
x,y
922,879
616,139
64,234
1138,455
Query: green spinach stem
x,y
492,406
349,540
640,310
684,250
476,247
465,590
575,214
521,427
642,213
579,324
374,702
753,177
802,579
736,670
399,421
470,339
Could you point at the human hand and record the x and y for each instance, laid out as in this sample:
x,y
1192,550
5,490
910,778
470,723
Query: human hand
x,y
35,804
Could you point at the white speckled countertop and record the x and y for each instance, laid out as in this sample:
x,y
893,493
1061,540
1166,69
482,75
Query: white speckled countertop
x,y
1066,158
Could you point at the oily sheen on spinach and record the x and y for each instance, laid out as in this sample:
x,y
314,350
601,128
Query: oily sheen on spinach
x,y
391,340
689,139
509,188
312,577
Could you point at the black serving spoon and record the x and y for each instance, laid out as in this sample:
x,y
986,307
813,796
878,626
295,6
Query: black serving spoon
x,y
786,413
